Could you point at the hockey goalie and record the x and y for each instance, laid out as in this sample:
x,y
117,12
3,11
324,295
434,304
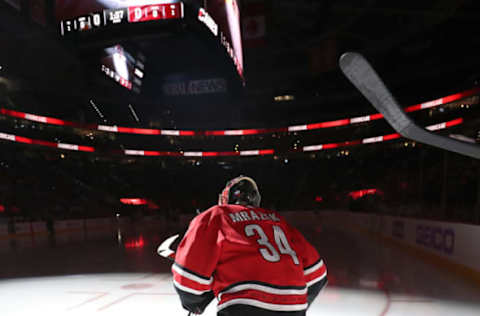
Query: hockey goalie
x,y
248,257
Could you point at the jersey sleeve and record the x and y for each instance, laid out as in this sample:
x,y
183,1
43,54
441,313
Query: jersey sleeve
x,y
314,269
195,262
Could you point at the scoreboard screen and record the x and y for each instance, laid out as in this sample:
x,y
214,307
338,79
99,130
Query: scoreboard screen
x,y
218,22
78,16
222,18
121,67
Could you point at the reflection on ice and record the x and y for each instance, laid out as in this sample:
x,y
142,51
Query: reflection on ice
x,y
126,294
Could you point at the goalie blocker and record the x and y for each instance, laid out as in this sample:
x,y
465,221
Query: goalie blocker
x,y
250,258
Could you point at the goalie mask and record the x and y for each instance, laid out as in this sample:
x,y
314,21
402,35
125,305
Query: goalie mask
x,y
241,190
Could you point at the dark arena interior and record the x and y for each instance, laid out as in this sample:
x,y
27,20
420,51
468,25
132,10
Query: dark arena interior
x,y
121,120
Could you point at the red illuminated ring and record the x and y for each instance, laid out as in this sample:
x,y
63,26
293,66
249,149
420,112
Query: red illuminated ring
x,y
259,152
240,132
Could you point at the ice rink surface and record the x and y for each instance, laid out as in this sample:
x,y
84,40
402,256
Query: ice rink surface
x,y
118,273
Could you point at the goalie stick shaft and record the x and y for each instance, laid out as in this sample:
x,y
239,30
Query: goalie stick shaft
x,y
362,75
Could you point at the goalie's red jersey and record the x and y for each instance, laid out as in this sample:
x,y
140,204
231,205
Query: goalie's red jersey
x,y
247,256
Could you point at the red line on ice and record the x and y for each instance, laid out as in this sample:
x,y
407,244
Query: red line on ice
x,y
98,296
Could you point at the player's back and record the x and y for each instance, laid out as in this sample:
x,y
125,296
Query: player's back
x,y
260,244
258,259
247,256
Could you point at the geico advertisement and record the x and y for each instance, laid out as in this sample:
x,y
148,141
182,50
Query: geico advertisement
x,y
436,238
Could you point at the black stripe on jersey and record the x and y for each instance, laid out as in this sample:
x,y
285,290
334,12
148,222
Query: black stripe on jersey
x,y
316,262
314,290
192,272
195,303
279,287
242,310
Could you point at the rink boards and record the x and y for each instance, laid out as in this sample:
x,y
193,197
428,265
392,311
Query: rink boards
x,y
451,243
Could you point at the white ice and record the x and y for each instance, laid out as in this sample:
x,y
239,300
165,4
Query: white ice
x,y
95,275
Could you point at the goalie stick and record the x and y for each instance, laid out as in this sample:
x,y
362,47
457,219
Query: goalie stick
x,y
362,75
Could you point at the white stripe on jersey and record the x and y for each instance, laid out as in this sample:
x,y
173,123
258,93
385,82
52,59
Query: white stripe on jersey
x,y
314,268
263,288
317,279
260,304
191,276
189,290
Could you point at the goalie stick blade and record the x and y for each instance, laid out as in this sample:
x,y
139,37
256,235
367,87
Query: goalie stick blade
x,y
362,75
164,249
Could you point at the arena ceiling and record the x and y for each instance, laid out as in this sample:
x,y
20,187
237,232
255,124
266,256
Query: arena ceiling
x,y
423,49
